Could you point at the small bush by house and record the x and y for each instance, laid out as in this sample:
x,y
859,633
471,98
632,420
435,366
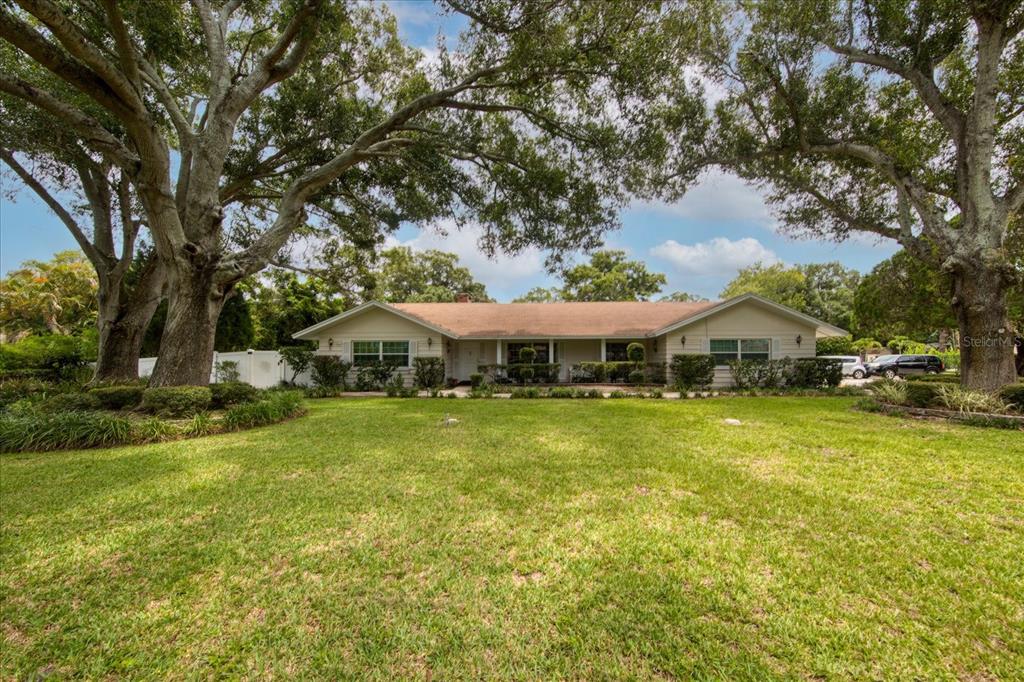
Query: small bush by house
x,y
428,372
329,372
118,397
373,377
176,401
815,373
692,371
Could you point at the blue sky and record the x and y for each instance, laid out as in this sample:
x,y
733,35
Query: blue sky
x,y
699,243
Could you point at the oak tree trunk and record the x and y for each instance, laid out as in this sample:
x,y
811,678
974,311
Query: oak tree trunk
x,y
124,314
986,337
186,346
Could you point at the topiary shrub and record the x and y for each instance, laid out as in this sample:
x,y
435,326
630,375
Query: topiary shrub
x,y
692,371
525,374
635,352
232,393
815,373
118,397
176,401
329,372
428,372
1013,395
920,394
527,354
476,380
637,376
70,402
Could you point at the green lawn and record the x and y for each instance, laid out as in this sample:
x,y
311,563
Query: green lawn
x,y
534,540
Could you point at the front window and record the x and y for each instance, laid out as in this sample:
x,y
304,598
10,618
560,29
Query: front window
x,y
725,350
541,348
616,352
392,352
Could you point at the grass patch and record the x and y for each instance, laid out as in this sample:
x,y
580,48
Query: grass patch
x,y
532,540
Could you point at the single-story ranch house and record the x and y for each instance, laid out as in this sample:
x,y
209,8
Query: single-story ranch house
x,y
471,335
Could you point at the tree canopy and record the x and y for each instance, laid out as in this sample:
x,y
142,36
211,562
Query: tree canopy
x,y
402,275
822,290
892,117
610,276
57,296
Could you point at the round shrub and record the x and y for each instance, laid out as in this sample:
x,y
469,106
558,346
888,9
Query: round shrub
x,y
525,374
636,376
176,401
70,402
231,393
692,371
118,397
635,352
476,380
527,354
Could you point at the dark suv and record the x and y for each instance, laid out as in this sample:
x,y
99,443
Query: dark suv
x,y
890,366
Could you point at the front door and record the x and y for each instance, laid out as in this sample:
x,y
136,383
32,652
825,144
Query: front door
x,y
469,359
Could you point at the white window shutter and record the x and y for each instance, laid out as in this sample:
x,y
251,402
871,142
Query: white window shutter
x,y
412,350
346,350
776,348
705,345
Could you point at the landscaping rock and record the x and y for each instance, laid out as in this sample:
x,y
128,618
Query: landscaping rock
x,y
733,422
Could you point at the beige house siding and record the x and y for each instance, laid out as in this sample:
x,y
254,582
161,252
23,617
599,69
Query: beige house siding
x,y
746,320
379,325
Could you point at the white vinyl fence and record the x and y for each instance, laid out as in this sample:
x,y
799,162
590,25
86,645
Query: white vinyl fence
x,y
261,368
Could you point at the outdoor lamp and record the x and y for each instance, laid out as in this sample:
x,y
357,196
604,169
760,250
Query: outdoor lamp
x,y
799,339
430,341
682,340
330,343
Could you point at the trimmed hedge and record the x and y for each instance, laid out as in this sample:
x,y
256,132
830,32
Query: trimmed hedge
x,y
597,372
800,373
543,373
692,371
232,393
816,373
176,401
934,378
118,397
922,394
70,402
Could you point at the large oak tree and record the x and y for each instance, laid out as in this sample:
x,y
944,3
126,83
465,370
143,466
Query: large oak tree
x,y
239,123
896,118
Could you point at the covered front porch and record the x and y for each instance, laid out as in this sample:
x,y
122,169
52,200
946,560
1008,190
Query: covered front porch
x,y
465,357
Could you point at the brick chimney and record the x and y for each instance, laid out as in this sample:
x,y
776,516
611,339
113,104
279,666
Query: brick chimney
x,y
462,297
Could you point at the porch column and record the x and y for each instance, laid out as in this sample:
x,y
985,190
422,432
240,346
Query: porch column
x,y
551,350
498,352
604,351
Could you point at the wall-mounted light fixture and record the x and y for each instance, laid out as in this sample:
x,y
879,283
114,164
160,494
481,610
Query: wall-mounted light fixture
x,y
682,341
330,343
799,339
430,341
449,345
655,345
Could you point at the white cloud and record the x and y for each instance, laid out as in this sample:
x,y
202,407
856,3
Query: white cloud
x,y
720,196
413,12
718,256
502,273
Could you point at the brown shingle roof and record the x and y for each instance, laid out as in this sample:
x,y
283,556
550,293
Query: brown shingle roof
x,y
543,320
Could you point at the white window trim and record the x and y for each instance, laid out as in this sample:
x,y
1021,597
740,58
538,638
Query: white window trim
x,y
380,350
739,345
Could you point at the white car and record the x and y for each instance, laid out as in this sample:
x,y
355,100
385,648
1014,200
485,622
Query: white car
x,y
853,366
